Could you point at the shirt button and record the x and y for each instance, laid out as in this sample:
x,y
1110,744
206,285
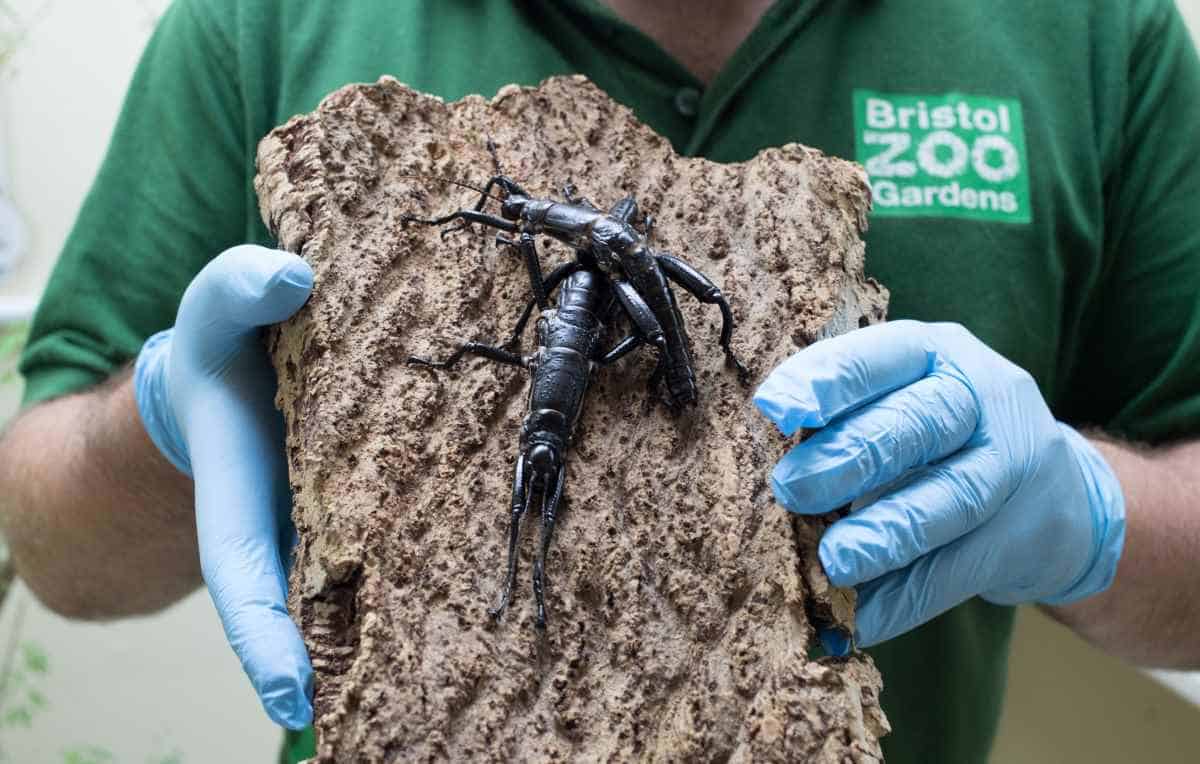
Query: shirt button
x,y
687,101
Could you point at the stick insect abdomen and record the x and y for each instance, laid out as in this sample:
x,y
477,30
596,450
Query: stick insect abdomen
x,y
680,375
642,269
559,384
568,337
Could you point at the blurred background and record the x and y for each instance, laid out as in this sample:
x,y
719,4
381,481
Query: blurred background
x,y
166,689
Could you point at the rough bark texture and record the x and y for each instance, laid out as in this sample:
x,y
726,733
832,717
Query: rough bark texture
x,y
681,598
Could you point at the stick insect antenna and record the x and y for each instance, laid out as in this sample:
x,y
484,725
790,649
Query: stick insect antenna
x,y
453,182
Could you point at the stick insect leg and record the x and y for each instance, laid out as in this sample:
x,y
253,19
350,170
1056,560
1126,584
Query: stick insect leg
x,y
506,183
491,149
656,377
486,192
550,500
621,349
466,217
640,314
624,210
571,194
509,185
552,281
520,502
627,209
528,248
498,354
702,288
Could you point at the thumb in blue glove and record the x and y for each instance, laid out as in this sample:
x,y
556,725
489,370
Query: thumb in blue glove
x,y
962,481
205,390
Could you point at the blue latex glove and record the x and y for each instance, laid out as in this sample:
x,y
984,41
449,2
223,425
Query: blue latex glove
x,y
206,390
962,482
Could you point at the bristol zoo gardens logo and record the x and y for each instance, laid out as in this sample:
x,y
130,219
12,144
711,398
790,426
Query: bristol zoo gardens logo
x,y
948,155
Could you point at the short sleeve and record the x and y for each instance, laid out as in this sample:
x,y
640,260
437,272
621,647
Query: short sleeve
x,y
170,195
1138,372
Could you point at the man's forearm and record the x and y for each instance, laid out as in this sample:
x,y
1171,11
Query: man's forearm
x,y
98,522
1150,615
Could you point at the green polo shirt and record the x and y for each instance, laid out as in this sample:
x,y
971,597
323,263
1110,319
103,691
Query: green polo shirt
x,y
1035,168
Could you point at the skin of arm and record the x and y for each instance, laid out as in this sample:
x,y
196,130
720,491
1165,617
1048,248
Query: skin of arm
x,y
99,524
1149,615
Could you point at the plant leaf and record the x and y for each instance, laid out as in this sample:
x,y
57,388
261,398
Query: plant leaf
x,y
35,658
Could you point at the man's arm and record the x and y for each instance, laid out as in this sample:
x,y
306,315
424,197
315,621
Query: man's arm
x,y
1137,369
101,523
96,492
98,522
1149,614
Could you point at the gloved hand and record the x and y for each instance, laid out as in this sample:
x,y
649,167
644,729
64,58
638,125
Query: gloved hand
x,y
206,390
962,481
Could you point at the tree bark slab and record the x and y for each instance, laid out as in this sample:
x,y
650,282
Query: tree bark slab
x,y
681,599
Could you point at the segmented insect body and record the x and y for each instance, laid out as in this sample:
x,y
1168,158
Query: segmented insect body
x,y
568,351
614,265
608,242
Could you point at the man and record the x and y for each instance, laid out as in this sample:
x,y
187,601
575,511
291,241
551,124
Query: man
x,y
1035,171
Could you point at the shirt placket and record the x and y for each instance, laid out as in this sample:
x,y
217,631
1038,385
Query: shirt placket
x,y
698,110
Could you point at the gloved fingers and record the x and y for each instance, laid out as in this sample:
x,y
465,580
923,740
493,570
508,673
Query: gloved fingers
x,y
833,376
936,506
904,599
241,493
834,642
251,604
241,289
874,445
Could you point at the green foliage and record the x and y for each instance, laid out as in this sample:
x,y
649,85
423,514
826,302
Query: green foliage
x,y
19,716
15,28
34,658
94,754
21,696
22,673
24,670
88,754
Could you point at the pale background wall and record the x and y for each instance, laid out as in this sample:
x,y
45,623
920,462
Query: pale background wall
x,y
157,689
167,688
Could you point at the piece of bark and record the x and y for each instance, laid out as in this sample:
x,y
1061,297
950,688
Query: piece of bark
x,y
679,594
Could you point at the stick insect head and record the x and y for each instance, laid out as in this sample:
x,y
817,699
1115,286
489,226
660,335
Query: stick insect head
x,y
514,197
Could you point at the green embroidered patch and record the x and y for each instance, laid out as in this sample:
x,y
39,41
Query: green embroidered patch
x,y
949,155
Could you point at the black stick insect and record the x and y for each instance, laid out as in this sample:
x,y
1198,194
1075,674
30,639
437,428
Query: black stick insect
x,y
568,351
609,243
